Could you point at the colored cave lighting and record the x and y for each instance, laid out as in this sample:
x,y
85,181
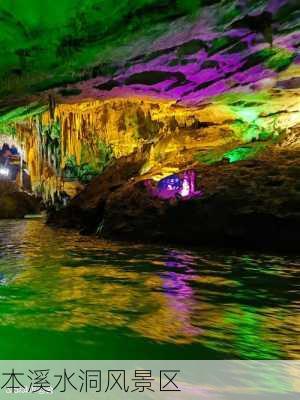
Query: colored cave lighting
x,y
175,186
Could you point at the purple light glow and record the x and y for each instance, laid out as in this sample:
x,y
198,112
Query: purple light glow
x,y
178,291
175,186
192,77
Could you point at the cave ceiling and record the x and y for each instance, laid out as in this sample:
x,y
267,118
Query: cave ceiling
x,y
193,52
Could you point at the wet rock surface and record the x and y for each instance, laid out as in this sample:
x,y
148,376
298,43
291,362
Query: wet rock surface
x,y
85,212
185,51
15,203
254,203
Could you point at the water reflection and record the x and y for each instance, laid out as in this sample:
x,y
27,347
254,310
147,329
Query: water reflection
x,y
218,305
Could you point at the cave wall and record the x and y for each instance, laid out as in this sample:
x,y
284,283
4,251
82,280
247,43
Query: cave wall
x,y
167,136
181,85
184,51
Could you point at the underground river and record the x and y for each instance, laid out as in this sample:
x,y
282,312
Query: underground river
x,y
64,294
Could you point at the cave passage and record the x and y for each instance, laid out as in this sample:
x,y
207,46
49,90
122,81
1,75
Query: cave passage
x,y
13,165
150,180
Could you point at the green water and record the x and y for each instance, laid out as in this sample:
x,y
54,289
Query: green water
x,y
64,296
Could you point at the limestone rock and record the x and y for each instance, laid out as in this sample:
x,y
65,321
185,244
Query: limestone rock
x,y
254,204
85,211
15,203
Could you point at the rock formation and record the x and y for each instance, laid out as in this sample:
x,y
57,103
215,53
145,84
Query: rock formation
x,y
16,203
158,89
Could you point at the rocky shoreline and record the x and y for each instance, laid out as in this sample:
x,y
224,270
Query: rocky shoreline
x,y
15,203
252,204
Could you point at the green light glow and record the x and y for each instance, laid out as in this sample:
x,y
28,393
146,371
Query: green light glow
x,y
280,60
241,153
248,327
45,44
248,114
21,113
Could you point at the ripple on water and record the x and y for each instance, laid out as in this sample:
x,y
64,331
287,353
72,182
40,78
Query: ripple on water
x,y
59,290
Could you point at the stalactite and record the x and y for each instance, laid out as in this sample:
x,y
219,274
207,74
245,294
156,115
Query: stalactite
x,y
169,134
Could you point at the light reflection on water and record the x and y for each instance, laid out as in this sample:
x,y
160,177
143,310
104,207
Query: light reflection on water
x,y
67,296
